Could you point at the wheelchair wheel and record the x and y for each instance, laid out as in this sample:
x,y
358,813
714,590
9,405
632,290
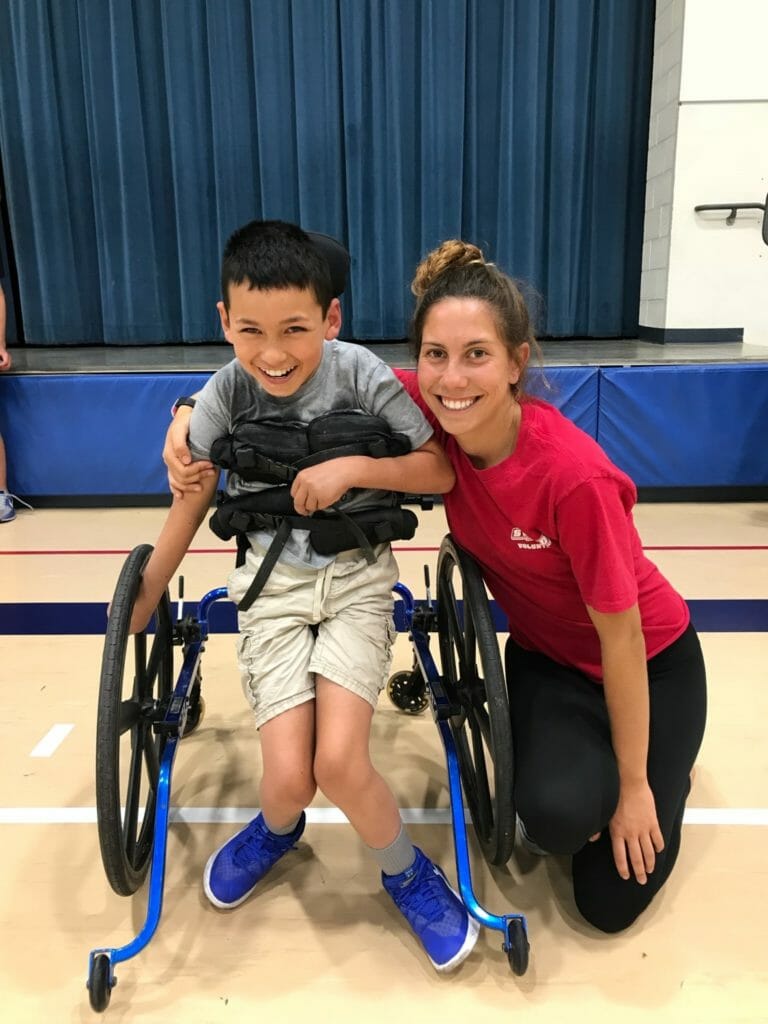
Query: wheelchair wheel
x,y
99,987
136,676
518,947
408,692
474,682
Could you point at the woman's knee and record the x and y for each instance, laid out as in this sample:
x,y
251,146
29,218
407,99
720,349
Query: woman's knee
x,y
605,899
609,920
610,911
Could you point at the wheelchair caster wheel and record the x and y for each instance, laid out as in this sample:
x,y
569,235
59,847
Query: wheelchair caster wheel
x,y
99,983
407,692
518,946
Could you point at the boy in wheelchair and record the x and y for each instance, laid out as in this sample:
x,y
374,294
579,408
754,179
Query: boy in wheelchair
x,y
315,569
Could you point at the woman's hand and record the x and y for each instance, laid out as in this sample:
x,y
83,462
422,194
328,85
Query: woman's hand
x,y
635,834
184,475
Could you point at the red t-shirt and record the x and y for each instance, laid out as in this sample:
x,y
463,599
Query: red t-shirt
x,y
552,529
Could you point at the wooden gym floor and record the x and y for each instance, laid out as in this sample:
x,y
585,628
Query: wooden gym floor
x,y
320,941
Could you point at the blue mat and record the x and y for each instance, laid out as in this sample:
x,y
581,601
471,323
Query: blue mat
x,y
692,425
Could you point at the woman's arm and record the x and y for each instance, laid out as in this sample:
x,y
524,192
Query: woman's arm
x,y
634,827
184,475
424,471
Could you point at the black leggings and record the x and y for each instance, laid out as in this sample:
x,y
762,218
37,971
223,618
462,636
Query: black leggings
x,y
566,778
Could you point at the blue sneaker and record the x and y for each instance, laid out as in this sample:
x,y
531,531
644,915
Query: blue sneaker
x,y
236,868
434,911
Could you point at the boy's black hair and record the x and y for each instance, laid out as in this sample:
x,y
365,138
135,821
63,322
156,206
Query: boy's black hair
x,y
275,254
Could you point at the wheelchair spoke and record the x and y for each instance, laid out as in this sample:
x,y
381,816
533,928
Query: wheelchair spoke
x,y
133,793
152,760
130,712
481,776
140,663
468,779
455,631
156,658
482,719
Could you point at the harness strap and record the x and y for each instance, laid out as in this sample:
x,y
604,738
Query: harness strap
x,y
359,536
266,567
279,541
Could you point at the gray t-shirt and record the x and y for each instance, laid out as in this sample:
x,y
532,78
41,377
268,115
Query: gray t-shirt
x,y
348,377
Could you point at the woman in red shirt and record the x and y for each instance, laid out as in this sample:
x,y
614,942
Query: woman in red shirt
x,y
606,677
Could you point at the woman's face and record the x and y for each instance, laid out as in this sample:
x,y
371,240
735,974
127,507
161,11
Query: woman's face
x,y
466,371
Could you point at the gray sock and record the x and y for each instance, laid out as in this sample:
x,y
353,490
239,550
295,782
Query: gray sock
x,y
398,856
286,830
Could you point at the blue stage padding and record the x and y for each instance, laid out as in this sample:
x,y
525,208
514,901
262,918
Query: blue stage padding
x,y
98,434
688,425
88,618
573,389
89,434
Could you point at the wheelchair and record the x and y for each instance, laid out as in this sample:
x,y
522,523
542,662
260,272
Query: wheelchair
x,y
142,716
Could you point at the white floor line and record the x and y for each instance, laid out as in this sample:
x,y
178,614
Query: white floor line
x,y
333,816
52,740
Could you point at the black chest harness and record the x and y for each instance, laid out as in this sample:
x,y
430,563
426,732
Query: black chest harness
x,y
273,453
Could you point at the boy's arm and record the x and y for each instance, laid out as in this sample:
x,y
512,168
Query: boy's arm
x,y
424,471
181,525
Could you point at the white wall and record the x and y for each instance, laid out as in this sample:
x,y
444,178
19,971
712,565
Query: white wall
x,y
718,274
707,144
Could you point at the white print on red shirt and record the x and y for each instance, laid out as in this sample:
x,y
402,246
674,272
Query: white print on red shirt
x,y
521,538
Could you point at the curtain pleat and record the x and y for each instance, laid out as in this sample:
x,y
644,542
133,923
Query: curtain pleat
x,y
135,135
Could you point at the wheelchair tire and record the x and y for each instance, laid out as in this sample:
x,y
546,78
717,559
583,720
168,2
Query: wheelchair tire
x,y
128,752
473,677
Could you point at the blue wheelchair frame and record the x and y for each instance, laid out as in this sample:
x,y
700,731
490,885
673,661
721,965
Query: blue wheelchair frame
x,y
102,960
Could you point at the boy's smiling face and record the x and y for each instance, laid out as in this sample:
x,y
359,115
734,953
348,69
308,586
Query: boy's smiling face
x,y
278,334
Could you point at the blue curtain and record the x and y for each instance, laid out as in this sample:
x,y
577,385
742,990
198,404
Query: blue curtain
x,y
135,135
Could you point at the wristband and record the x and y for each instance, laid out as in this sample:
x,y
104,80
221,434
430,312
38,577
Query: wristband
x,y
182,401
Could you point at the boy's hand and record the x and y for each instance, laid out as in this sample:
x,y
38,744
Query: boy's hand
x,y
5,358
318,487
184,475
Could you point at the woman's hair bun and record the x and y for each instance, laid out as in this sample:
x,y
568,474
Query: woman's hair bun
x,y
452,253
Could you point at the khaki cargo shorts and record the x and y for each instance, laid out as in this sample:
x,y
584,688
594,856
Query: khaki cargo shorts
x,y
348,604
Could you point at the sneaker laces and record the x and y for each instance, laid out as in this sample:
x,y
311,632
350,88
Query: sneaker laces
x,y
424,897
15,497
255,845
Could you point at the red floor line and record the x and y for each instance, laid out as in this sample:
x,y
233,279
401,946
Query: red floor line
x,y
226,551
